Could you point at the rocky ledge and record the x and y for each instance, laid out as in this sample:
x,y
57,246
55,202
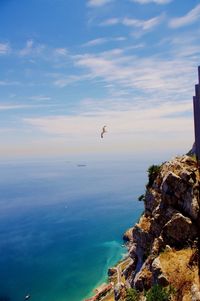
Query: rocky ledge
x,y
163,244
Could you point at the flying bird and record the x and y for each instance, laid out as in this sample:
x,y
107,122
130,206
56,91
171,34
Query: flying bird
x,y
103,131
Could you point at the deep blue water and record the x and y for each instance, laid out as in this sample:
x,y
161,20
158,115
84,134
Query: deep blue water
x,y
61,225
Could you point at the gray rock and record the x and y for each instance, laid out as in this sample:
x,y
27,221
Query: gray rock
x,y
158,276
179,229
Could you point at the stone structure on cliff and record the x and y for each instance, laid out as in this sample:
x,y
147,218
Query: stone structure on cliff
x,y
163,244
196,109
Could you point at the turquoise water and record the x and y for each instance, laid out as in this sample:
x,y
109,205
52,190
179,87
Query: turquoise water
x,y
61,225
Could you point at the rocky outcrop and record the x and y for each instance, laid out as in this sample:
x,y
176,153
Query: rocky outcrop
x,y
166,235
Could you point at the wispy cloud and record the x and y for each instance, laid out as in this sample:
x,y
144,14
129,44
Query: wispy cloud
x,y
100,41
97,3
156,75
5,107
40,98
152,1
63,80
61,51
7,130
191,17
110,22
130,130
144,25
4,48
31,49
9,83
28,48
185,46
95,42
145,119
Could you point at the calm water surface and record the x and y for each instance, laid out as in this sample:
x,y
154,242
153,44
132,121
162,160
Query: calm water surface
x,y
61,225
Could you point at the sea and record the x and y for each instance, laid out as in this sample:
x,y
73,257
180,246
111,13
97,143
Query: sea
x,y
62,223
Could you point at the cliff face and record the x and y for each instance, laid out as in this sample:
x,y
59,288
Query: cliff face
x,y
163,245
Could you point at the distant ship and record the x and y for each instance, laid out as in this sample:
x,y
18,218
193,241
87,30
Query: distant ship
x,y
27,297
81,165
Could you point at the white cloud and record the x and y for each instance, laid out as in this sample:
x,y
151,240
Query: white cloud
x,y
12,107
63,81
152,1
119,39
61,51
4,48
5,107
144,25
100,41
40,98
110,22
168,77
130,130
31,49
97,3
145,120
6,130
130,71
28,48
8,83
191,17
95,42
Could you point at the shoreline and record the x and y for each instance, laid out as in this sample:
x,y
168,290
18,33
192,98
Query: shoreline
x,y
113,261
105,290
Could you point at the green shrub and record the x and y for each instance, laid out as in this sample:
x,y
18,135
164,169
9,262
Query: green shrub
x,y
132,295
153,171
141,197
158,293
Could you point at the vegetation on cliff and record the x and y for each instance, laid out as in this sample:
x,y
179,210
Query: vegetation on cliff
x,y
163,244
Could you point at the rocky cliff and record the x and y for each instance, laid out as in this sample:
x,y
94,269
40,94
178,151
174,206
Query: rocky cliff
x,y
163,244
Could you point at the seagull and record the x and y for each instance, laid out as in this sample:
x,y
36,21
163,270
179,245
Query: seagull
x,y
103,131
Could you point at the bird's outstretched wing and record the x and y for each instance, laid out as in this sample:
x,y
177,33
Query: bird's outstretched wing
x,y
103,131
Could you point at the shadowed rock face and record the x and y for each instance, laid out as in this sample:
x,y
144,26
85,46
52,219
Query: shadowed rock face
x,y
179,230
170,221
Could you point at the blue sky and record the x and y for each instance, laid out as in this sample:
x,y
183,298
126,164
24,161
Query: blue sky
x,y
68,67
